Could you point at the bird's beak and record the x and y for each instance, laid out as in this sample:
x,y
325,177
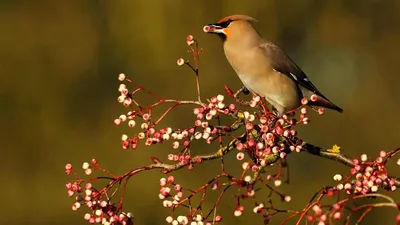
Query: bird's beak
x,y
212,28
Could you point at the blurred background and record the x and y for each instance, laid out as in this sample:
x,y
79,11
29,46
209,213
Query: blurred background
x,y
59,62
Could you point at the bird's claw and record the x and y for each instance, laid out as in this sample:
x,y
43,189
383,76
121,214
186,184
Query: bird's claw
x,y
243,90
276,116
273,122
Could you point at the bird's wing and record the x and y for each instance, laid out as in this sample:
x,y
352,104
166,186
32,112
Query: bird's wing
x,y
285,65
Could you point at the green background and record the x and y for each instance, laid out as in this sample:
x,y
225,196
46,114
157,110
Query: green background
x,y
59,62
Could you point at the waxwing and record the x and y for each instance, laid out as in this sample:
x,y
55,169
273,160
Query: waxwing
x,y
263,67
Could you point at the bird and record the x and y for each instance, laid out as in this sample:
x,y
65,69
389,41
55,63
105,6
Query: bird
x,y
264,68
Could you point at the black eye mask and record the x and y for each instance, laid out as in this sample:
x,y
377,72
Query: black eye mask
x,y
225,24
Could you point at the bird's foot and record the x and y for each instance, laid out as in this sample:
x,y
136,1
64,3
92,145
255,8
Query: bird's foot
x,y
276,116
243,90
273,123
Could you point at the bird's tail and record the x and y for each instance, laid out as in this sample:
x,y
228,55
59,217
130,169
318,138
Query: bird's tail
x,y
322,102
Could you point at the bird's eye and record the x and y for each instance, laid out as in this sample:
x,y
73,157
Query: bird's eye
x,y
226,23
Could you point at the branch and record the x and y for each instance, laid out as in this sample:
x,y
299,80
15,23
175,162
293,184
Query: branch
x,y
343,159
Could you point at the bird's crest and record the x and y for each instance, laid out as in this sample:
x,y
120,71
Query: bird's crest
x,y
237,17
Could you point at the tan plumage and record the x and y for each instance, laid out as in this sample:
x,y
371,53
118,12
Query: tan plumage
x,y
263,67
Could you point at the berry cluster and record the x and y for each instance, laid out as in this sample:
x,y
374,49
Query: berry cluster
x,y
363,181
101,210
172,195
367,176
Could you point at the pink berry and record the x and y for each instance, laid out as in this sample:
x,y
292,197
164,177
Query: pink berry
x,y
180,62
121,77
304,101
321,111
314,97
68,166
206,29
